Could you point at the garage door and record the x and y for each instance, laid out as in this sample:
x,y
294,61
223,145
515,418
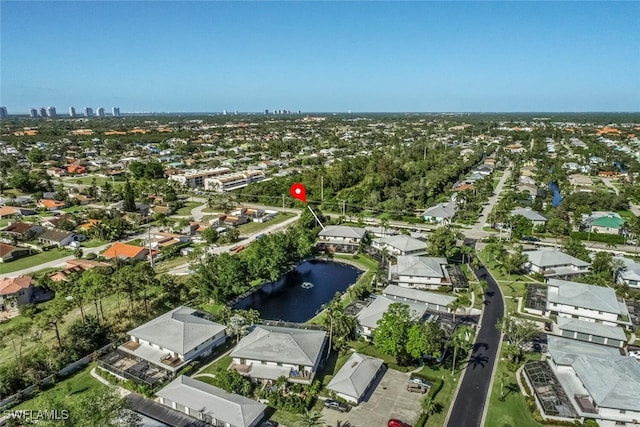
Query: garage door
x,y
596,339
583,337
568,334
181,408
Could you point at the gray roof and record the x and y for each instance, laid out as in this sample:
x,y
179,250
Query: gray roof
x,y
441,210
179,330
55,235
411,265
370,315
631,270
552,258
592,328
611,379
199,396
356,374
418,295
278,344
593,297
343,231
403,243
529,214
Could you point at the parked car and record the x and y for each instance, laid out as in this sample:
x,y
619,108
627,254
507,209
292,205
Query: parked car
x,y
417,388
421,381
269,423
635,354
397,423
335,405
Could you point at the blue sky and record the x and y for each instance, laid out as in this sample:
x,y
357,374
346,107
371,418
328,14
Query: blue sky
x,y
320,56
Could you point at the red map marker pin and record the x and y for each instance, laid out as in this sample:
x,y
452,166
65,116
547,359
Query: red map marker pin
x,y
299,192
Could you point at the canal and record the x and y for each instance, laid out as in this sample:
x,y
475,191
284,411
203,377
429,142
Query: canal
x,y
298,297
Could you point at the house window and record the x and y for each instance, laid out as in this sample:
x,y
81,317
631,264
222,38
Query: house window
x,y
622,411
599,312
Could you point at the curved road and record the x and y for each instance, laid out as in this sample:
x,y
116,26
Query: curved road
x,y
474,390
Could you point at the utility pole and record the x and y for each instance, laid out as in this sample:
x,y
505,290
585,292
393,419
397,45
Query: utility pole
x,y
150,254
283,209
315,216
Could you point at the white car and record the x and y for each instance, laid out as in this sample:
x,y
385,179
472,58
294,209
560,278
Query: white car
x,y
635,354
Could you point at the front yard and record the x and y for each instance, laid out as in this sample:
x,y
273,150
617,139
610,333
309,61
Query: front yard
x,y
34,260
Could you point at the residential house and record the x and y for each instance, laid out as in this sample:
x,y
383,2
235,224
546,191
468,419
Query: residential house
x,y
441,213
163,240
270,352
76,169
419,272
56,172
175,338
10,252
141,208
580,182
15,292
369,316
597,333
55,222
604,222
431,300
211,404
597,380
399,244
554,263
341,238
59,238
535,217
23,230
126,251
630,274
355,378
591,303
382,231
11,211
51,205
75,266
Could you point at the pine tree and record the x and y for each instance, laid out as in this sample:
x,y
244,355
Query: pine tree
x,y
128,201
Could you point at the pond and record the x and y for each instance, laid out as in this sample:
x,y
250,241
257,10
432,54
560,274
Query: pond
x,y
299,296
557,197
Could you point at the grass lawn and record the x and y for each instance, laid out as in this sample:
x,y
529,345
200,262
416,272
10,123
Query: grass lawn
x,y
496,270
445,395
366,262
86,180
166,265
514,410
186,209
70,388
34,260
212,308
254,227
222,364
94,243
285,418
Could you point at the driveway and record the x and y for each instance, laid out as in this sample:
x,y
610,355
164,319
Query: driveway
x,y
389,399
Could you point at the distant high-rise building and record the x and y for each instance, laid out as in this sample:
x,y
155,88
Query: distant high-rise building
x,y
235,112
88,112
266,112
43,112
51,112
33,113
3,113
100,112
72,111
224,112
115,111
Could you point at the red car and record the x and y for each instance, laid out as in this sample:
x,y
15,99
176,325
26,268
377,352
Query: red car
x,y
397,423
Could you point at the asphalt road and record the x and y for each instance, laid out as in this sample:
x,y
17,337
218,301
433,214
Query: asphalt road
x,y
474,387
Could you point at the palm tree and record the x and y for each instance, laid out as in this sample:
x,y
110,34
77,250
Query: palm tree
x,y
454,306
462,338
429,406
310,419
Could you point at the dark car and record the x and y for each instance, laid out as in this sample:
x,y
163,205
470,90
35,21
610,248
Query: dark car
x,y
335,405
397,423
416,388
269,423
530,239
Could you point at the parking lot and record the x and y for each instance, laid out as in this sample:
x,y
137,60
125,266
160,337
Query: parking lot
x,y
390,399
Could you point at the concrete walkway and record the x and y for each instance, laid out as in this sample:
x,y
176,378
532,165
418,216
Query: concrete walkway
x,y
519,380
123,391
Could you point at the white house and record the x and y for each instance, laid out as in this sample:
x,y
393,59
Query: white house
x,y
630,274
419,272
430,300
534,216
270,352
585,302
340,238
599,382
175,338
597,333
400,245
211,404
441,213
356,377
368,317
554,263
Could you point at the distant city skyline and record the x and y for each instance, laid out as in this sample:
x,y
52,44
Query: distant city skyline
x,y
209,56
